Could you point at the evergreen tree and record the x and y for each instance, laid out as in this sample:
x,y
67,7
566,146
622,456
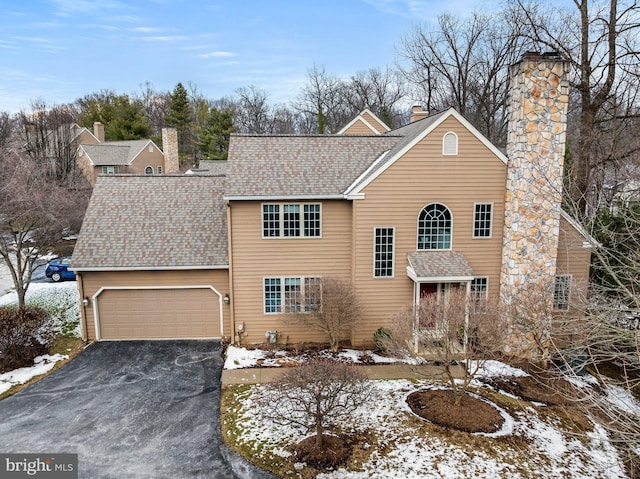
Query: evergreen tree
x,y
123,118
215,134
180,115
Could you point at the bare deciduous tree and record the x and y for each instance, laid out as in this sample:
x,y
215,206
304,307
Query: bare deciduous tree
x,y
463,64
330,306
316,395
33,219
458,329
600,39
48,136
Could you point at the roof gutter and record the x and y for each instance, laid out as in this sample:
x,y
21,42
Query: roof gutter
x,y
283,197
149,268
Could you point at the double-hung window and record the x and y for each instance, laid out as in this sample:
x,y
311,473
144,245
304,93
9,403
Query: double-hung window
x,y
291,220
561,292
109,170
270,220
482,220
272,295
291,295
383,253
479,288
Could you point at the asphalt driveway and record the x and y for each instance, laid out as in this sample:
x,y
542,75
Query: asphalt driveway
x,y
134,409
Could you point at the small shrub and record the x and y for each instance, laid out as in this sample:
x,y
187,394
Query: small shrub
x,y
381,338
24,335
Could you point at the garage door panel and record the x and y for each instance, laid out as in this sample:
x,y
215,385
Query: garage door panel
x,y
159,313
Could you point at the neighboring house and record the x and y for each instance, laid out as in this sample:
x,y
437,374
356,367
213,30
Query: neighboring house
x,y
423,209
366,123
127,157
59,143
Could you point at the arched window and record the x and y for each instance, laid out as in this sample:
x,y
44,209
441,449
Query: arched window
x,y
434,227
148,170
450,143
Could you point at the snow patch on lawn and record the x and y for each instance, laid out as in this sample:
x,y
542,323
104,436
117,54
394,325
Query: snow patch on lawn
x,y
402,446
61,300
239,357
42,365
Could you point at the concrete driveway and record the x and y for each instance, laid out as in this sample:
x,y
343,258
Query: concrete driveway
x,y
134,409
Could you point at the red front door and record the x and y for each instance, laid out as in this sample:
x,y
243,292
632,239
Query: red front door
x,y
427,289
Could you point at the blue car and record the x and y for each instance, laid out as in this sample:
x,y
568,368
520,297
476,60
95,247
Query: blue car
x,y
58,269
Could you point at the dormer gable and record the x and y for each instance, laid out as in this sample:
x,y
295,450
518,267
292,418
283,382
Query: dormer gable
x,y
366,123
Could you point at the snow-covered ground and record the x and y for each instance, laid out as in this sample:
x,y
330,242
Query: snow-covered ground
x,y
239,358
534,441
61,300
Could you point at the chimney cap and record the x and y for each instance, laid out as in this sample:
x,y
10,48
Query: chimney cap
x,y
536,55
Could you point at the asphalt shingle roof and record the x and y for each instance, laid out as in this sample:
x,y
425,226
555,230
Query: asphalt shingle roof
x,y
146,221
210,167
439,264
114,152
300,165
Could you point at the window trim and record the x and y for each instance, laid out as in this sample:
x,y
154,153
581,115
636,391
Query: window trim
x,y
303,230
418,228
105,169
281,294
159,169
562,306
393,251
473,226
148,170
444,143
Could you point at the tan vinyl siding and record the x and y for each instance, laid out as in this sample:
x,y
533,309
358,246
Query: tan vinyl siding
x,y
359,128
573,258
92,282
146,158
255,258
397,196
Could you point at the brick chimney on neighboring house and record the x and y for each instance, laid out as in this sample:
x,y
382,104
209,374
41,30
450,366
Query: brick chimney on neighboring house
x,y
98,131
170,150
418,113
536,136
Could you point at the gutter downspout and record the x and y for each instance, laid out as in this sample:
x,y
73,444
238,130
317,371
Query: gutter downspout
x,y
232,319
83,308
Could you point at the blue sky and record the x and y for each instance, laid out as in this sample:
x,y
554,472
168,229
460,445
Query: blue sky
x,y
59,50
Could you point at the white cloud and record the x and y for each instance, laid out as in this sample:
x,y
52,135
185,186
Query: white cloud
x,y
71,7
145,29
217,54
163,38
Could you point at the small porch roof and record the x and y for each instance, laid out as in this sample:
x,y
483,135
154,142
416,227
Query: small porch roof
x,y
438,267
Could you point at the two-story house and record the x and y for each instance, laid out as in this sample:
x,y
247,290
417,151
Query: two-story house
x,y
400,213
102,157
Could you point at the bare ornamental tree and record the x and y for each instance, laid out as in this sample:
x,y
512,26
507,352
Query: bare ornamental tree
x,y
330,306
316,396
459,330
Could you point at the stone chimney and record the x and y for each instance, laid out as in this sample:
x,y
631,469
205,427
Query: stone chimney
x,y
98,131
536,136
170,150
417,112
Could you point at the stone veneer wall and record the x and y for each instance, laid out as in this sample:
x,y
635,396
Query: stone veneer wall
x,y
535,148
170,150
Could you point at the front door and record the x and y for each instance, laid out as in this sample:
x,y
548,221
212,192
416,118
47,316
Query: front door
x,y
427,289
